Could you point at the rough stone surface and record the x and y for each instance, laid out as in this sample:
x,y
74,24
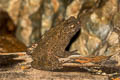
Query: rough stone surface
x,y
8,40
35,17
20,11
96,27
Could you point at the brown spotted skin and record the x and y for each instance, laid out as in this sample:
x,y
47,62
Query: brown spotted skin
x,y
52,45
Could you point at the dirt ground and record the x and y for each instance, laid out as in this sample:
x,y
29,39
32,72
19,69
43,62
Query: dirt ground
x,y
21,70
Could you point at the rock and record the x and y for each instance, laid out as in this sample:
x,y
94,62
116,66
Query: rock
x,y
96,28
20,12
8,41
31,17
34,18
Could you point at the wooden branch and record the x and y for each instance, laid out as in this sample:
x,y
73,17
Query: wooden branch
x,y
15,53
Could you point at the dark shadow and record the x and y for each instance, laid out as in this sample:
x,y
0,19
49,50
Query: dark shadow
x,y
110,70
71,69
107,70
7,61
74,38
6,23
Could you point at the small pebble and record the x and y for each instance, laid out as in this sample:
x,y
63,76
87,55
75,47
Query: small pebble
x,y
103,74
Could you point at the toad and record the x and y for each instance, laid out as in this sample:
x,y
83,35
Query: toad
x,y
52,45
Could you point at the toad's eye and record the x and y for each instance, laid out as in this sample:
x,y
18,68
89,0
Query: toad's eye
x,y
72,26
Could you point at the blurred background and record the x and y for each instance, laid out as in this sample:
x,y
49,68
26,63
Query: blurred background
x,y
22,22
